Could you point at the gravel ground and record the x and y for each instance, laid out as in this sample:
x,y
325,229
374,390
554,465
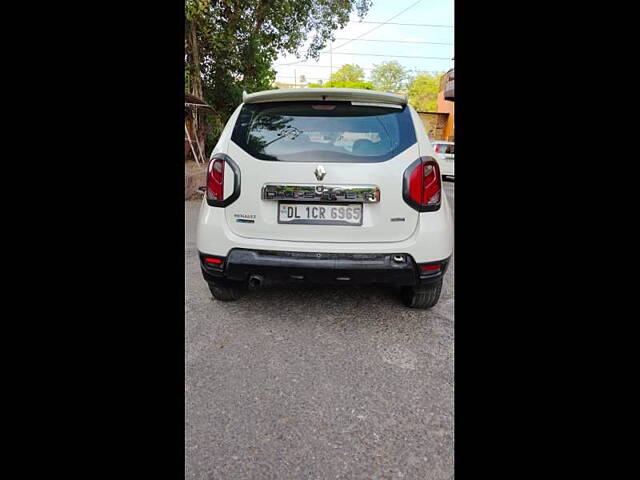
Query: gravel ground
x,y
316,382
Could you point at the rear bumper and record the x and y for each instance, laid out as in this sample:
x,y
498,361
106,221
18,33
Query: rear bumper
x,y
322,268
431,241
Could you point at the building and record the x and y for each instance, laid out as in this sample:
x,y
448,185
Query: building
x,y
440,124
290,85
448,85
445,104
435,124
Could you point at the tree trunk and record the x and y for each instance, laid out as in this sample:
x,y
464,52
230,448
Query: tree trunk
x,y
196,81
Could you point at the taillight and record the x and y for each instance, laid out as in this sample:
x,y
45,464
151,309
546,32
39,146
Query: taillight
x,y
221,163
422,185
215,180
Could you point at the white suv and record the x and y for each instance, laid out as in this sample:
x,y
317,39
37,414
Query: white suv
x,y
337,186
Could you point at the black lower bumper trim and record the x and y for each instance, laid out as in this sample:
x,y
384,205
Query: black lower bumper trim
x,y
322,268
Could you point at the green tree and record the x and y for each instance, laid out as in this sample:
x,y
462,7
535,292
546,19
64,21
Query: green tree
x,y
230,45
389,76
423,92
348,73
345,84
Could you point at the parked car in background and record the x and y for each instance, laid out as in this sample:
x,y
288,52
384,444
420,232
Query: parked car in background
x,y
325,185
445,154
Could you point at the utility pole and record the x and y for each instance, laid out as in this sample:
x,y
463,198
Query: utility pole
x,y
330,59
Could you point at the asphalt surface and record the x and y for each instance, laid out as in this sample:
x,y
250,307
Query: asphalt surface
x,y
316,382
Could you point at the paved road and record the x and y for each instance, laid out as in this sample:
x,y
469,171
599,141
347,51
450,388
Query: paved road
x,y
316,382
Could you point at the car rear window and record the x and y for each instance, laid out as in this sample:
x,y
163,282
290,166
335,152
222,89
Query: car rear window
x,y
327,131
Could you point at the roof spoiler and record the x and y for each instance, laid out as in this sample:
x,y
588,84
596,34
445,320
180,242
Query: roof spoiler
x,y
329,94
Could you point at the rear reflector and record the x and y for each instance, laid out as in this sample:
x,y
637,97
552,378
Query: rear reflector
x,y
430,268
216,261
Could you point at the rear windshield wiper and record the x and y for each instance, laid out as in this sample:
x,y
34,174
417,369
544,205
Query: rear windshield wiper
x,y
291,132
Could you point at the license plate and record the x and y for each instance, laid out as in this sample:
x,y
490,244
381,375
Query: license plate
x,y
320,213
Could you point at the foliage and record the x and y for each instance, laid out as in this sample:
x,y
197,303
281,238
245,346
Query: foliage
x,y
389,76
346,84
348,73
423,92
230,45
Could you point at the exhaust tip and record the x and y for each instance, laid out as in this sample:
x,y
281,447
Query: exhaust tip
x,y
255,281
398,258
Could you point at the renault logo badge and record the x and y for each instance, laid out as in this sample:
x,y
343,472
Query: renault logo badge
x,y
320,172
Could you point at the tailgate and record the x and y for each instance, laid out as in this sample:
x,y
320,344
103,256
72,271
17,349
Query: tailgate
x,y
388,220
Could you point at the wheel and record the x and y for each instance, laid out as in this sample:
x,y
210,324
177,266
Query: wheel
x,y
424,298
227,291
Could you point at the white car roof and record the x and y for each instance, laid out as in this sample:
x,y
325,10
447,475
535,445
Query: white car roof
x,y
340,94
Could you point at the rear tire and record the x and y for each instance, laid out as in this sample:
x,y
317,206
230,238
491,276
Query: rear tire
x,y
425,298
227,291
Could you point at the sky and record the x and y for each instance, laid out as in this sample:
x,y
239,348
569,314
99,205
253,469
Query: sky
x,y
432,12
